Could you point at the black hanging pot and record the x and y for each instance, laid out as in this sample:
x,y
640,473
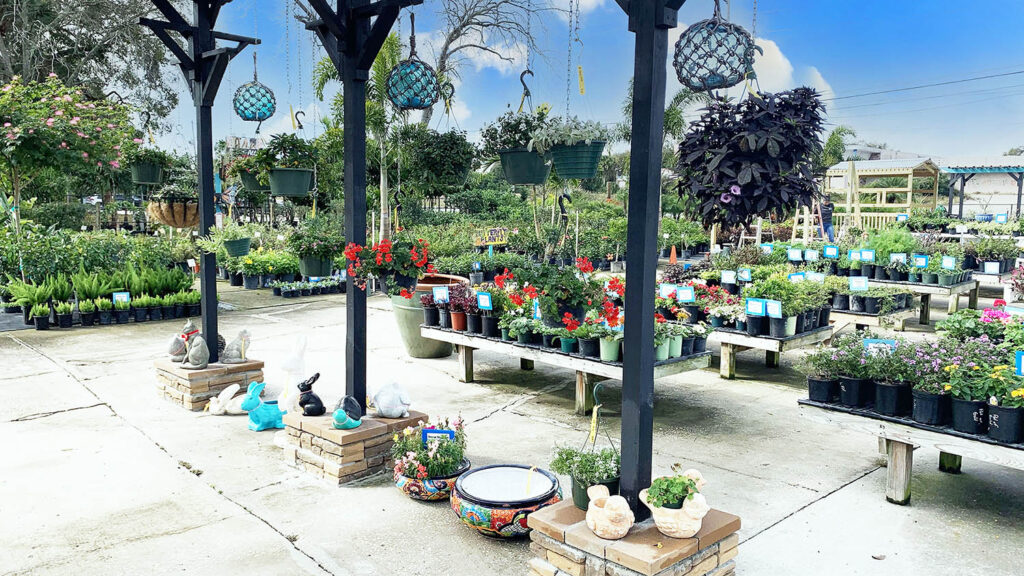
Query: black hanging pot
x,y
1006,424
840,301
431,317
823,390
856,303
490,327
856,392
756,325
931,409
871,304
577,160
524,167
590,347
970,416
892,399
473,324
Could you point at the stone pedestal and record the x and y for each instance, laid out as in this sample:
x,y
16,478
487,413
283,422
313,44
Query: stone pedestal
x,y
194,388
563,545
342,456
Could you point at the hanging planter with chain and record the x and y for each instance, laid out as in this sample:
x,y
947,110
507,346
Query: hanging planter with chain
x,y
412,84
254,102
714,54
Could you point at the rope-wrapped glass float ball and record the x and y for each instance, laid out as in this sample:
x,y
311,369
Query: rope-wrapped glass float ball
x,y
254,102
412,84
714,54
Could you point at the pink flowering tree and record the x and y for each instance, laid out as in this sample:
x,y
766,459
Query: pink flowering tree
x,y
50,124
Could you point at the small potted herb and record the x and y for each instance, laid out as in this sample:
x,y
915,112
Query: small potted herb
x,y
588,467
431,317
122,312
105,310
63,311
87,310
41,316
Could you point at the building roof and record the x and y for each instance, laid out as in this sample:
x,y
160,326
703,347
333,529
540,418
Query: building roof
x,y
991,164
895,166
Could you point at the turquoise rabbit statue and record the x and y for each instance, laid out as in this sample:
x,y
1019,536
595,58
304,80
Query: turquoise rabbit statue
x,y
263,415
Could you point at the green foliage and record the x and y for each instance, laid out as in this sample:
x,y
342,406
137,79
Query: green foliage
x,y
566,132
587,466
104,305
671,491
27,294
56,214
63,308
437,458
512,130
439,162
86,306
322,236
40,311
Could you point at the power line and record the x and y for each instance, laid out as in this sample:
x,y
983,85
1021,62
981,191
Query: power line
x,y
918,98
920,86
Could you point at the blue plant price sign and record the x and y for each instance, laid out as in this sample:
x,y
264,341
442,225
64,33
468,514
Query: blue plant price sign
x,y
122,297
755,307
948,263
831,251
773,308
991,268
666,290
902,217
853,255
811,255
920,260
437,434
797,277
900,257
744,274
1001,218
483,301
867,255
685,294
441,293
816,277
536,309
1020,363
858,283
476,267
728,276
795,255
767,248
876,346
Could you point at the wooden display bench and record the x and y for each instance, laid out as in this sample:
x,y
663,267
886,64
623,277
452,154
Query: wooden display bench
x,y
562,544
341,456
901,439
1001,281
898,320
588,370
192,389
734,341
926,291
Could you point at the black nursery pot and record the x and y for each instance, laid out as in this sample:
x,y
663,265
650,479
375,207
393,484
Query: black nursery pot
x,y
756,325
156,313
857,303
106,317
819,390
473,324
193,310
179,310
892,399
867,270
970,416
1006,424
732,288
801,323
167,312
42,322
236,279
88,318
590,347
840,301
856,392
931,409
693,313
431,317
871,304
64,320
823,316
122,316
141,314
700,345
444,318
549,341
777,327
688,344
490,325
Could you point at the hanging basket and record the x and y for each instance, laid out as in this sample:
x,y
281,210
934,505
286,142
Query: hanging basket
x,y
291,182
714,54
579,160
523,167
237,248
147,173
174,213
252,183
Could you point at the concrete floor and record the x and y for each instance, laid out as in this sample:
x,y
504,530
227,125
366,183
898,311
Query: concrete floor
x,y
100,476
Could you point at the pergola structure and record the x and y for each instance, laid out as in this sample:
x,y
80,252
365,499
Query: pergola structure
x,y
962,171
352,33
845,184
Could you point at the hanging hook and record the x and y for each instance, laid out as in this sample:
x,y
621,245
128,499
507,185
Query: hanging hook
x,y
298,119
526,89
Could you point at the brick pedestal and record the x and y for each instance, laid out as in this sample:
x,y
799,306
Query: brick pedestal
x,y
563,545
343,455
194,388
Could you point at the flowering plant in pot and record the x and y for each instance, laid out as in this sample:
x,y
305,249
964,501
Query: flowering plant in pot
x,y
892,373
662,337
971,385
248,170
856,388
1006,410
397,263
508,138
317,242
609,331
147,164
587,467
567,338
426,466
822,368
461,299
676,503
431,316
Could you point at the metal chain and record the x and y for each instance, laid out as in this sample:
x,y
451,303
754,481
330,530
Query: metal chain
x,y
288,47
753,28
568,63
529,34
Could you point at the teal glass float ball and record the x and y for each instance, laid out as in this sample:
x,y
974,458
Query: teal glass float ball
x,y
412,85
254,102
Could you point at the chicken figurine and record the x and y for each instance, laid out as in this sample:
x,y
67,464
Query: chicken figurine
x,y
608,517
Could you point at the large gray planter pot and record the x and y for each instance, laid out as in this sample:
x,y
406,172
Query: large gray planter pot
x,y
409,315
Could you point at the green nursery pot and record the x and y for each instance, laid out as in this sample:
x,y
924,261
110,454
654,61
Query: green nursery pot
x,y
661,352
609,350
675,347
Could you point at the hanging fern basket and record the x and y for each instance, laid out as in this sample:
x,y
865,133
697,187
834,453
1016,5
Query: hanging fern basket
x,y
147,173
578,160
524,167
714,54
291,182
176,213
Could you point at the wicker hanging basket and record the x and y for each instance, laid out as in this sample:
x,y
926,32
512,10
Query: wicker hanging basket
x,y
176,213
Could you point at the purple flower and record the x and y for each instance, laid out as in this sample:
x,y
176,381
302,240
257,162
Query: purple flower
x,y
725,198
735,190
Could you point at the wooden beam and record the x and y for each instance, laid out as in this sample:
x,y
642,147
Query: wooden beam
x,y
174,18
328,18
378,34
380,6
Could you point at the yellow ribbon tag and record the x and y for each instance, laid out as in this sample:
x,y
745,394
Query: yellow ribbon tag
x,y
583,88
151,139
243,348
314,207
292,113
529,477
521,102
593,425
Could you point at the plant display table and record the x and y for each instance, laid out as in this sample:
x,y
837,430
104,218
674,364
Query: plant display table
x,y
1001,281
588,370
926,291
897,319
902,435
193,388
341,456
735,341
563,544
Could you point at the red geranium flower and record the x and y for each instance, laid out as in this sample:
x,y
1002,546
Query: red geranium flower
x,y
405,294
584,265
571,324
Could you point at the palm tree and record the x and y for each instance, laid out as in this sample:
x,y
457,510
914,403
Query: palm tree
x,y
675,110
381,116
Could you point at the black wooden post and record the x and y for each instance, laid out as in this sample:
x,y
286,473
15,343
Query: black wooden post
x,y
1018,177
650,21
203,65
352,45
963,185
952,193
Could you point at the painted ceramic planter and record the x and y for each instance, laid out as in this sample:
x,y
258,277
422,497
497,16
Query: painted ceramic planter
x,y
496,500
430,489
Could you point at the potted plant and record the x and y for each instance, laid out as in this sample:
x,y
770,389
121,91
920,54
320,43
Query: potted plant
x,y
662,337
473,319
822,370
87,310
140,308
40,314
521,328
587,336
892,371
508,139
856,389
460,299
167,306
193,303
431,316
63,312
566,336
676,503
122,312
587,467
398,264
426,466
288,161
439,162
252,269
575,146
971,387
317,242
105,311
1006,410
147,164
248,171
176,203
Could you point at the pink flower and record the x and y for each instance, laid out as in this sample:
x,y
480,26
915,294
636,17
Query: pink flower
x,y
59,112
50,121
1000,302
51,75
735,190
85,154
137,140
115,164
75,121
726,198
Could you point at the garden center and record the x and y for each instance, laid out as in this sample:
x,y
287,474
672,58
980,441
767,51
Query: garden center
x,y
492,287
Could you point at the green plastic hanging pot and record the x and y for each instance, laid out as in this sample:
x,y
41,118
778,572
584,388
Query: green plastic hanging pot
x,y
252,183
578,160
523,167
147,173
236,248
291,182
315,266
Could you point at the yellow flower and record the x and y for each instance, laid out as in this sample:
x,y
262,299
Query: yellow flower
x,y
951,367
396,437
1001,367
947,387
408,431
975,367
1018,393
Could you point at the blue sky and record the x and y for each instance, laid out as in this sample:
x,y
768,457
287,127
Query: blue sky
x,y
841,48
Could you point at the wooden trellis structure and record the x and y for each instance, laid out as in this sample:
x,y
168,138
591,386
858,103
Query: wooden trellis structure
x,y
872,208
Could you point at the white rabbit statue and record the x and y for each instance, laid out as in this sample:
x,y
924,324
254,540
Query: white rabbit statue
x,y
226,402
